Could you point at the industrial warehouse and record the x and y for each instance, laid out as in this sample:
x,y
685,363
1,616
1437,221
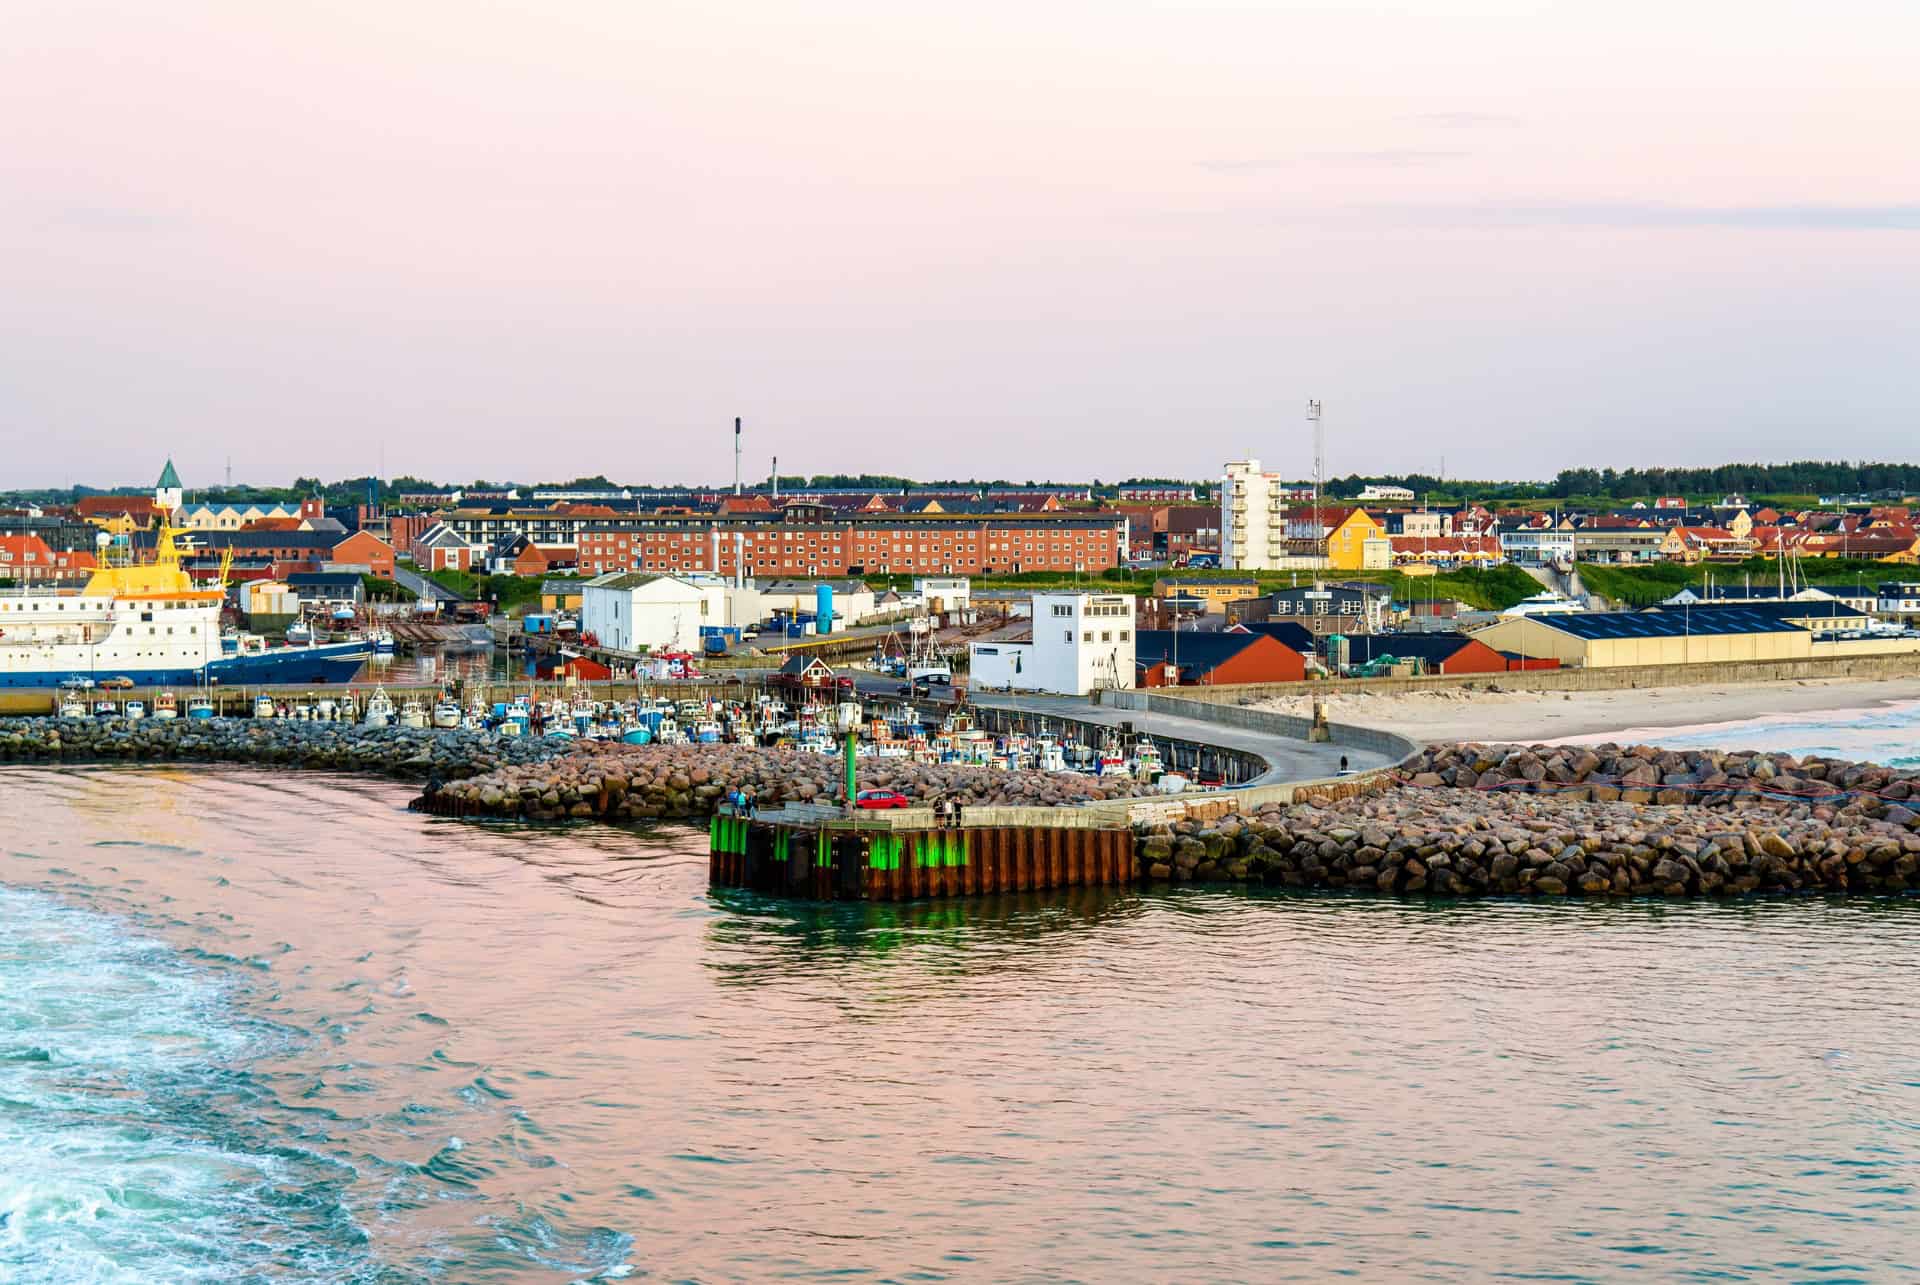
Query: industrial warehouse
x,y
1695,635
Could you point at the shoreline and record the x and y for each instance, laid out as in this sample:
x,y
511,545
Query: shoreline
x,y
1556,717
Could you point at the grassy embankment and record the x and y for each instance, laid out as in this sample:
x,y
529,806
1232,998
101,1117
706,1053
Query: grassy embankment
x,y
1489,590
1641,586
512,595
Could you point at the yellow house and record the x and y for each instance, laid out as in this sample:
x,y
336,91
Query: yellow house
x,y
1355,541
1213,594
117,523
560,595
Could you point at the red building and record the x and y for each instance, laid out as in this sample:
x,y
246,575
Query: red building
x,y
439,549
27,559
363,548
808,540
1437,653
1163,658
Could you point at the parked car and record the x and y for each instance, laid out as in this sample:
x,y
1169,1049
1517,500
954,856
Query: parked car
x,y
76,684
119,682
876,799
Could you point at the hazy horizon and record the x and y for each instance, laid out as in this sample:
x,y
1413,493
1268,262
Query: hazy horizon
x,y
1072,240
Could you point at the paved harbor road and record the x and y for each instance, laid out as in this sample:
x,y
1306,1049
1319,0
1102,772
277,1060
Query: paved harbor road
x,y
1288,759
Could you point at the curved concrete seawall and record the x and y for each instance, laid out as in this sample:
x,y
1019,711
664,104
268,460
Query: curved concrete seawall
x,y
1395,750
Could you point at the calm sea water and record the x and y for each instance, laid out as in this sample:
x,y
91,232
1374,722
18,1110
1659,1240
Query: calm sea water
x,y
1888,733
279,1029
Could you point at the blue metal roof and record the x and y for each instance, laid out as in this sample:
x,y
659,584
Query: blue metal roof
x,y
1800,609
1669,622
1434,648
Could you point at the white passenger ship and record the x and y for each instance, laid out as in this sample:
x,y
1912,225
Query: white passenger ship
x,y
150,624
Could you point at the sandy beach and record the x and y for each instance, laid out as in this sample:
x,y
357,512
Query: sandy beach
x,y
1550,716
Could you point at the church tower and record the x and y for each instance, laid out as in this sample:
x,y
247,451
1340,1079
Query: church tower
x,y
168,497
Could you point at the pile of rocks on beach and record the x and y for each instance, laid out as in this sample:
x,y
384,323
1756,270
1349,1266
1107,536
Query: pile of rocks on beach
x,y
688,781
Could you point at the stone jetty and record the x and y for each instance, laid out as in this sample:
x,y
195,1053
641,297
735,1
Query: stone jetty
x,y
394,751
683,782
1600,821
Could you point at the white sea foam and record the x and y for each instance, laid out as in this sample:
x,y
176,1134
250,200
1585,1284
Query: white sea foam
x,y
118,1161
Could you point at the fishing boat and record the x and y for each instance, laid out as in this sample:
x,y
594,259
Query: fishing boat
x,y
379,709
166,705
382,642
105,709
1147,765
263,707
135,709
73,708
925,662
446,714
200,707
299,634
413,714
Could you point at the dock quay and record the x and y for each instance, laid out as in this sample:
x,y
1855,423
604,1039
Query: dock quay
x,y
817,854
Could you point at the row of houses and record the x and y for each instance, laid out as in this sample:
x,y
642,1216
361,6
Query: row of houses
x,y
1265,523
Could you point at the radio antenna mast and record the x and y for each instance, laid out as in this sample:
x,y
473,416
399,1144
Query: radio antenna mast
x,y
1319,467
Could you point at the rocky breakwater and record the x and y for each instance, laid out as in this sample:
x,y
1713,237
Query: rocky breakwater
x,y
1697,778
406,752
687,782
1460,843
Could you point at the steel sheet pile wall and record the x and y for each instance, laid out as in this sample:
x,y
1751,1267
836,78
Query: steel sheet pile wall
x,y
831,864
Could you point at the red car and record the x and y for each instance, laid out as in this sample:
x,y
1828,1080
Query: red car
x,y
881,799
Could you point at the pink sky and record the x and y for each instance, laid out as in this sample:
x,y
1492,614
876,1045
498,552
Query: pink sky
x,y
999,239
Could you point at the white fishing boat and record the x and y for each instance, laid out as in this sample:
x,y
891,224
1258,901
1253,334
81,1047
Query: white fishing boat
x,y
72,708
263,707
446,714
136,709
200,707
1147,765
379,709
166,705
413,714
